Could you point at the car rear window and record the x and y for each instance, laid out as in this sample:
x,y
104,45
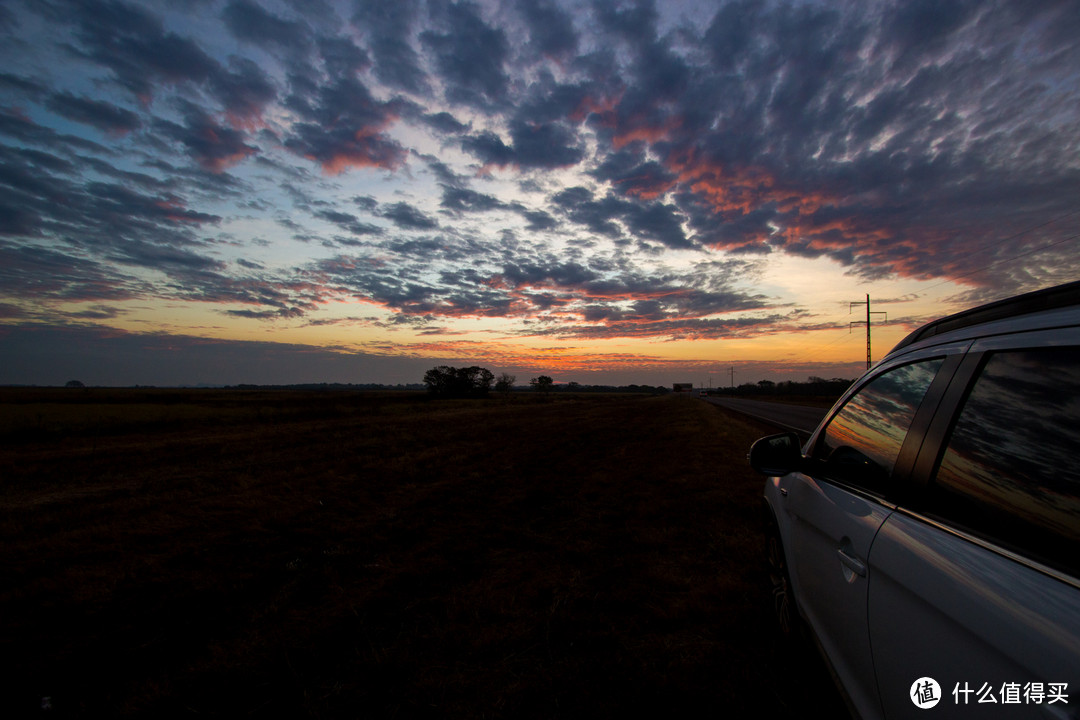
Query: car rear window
x,y
1009,472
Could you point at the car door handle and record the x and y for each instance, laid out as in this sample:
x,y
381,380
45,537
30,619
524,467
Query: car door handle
x,y
852,563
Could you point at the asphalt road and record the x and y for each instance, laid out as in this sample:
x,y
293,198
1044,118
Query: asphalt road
x,y
799,418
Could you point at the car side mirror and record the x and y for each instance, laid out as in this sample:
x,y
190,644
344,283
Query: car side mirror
x,y
776,454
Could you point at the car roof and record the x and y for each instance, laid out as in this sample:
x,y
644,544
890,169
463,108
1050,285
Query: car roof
x,y
1053,298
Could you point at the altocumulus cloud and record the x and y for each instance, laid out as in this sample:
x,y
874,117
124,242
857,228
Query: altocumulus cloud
x,y
615,169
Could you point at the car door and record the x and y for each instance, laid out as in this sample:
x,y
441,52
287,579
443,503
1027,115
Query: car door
x,y
836,507
976,585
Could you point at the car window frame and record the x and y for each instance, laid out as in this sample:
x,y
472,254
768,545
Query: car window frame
x,y
947,413
951,403
928,464
900,490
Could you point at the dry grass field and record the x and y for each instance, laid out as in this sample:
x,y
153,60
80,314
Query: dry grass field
x,y
252,553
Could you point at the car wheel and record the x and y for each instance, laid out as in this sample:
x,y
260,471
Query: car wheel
x,y
784,610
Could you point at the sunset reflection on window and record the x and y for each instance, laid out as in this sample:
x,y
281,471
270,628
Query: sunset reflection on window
x,y
863,440
1010,471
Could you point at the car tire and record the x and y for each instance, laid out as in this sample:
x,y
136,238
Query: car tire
x,y
785,611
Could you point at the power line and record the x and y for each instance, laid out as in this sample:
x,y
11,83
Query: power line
x,y
988,265
1005,259
1014,257
1032,229
821,348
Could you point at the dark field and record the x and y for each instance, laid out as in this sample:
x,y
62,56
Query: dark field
x,y
257,553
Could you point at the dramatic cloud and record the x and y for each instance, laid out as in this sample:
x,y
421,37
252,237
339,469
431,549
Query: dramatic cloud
x,y
343,127
407,217
101,115
360,171
131,42
251,23
468,53
388,28
212,145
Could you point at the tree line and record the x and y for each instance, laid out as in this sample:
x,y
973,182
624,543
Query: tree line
x,y
475,381
447,381
814,386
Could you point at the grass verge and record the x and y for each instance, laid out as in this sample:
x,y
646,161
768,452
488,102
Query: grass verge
x,y
339,555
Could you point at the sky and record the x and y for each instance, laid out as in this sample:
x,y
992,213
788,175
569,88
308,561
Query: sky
x,y
294,191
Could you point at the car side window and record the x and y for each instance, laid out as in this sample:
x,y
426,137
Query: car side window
x,y
1010,472
862,441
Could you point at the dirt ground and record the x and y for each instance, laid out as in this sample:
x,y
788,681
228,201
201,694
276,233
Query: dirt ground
x,y
254,553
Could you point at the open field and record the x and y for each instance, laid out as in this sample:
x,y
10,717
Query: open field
x,y
246,553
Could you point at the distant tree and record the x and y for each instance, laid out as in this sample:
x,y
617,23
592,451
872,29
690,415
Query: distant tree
x,y
447,381
573,386
505,383
479,380
542,383
74,384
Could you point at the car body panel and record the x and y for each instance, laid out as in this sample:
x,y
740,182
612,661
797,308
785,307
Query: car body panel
x,y
948,607
831,532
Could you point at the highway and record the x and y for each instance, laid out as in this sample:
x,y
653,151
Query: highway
x,y
799,418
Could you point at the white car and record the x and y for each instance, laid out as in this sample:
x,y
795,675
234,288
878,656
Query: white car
x,y
927,536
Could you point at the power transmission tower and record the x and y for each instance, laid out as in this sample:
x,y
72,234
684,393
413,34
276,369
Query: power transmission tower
x,y
867,323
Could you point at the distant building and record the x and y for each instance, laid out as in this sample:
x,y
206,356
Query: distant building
x,y
683,387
